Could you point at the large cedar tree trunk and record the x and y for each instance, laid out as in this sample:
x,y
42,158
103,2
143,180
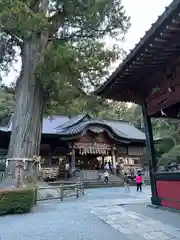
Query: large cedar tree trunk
x,y
27,118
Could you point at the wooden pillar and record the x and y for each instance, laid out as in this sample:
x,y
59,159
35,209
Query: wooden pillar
x,y
113,155
50,160
151,153
73,159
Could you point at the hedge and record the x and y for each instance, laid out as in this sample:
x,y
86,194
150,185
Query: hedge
x,y
17,200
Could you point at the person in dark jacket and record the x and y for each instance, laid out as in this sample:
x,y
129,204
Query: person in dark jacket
x,y
126,182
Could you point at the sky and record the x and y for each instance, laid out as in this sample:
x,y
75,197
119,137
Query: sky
x,y
142,12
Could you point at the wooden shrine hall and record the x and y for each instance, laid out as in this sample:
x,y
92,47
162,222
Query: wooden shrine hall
x,y
150,76
85,142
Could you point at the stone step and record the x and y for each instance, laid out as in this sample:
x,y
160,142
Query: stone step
x,y
99,184
93,175
102,185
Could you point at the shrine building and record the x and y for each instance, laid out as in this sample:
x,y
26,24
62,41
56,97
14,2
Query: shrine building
x,y
83,141
150,77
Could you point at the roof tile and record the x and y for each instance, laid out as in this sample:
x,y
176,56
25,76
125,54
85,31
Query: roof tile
x,y
65,125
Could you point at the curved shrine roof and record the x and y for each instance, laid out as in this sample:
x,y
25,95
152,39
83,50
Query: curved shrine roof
x,y
71,126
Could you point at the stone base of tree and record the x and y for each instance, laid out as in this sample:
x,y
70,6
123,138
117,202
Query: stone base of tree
x,y
20,172
15,171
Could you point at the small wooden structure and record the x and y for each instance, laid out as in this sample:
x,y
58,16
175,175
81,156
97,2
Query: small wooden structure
x,y
149,76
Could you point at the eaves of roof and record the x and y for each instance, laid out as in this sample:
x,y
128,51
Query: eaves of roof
x,y
117,129
83,126
144,42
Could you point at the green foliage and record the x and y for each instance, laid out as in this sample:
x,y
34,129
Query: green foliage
x,y
70,35
164,145
17,200
171,156
167,131
82,67
7,102
91,19
71,101
123,111
18,20
7,53
63,53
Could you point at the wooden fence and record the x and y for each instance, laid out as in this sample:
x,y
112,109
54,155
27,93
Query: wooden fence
x,y
60,192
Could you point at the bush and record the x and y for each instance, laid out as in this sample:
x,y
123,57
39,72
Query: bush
x,y
17,200
171,156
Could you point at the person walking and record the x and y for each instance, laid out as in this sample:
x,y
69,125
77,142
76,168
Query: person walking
x,y
139,181
106,167
126,182
110,167
67,168
106,177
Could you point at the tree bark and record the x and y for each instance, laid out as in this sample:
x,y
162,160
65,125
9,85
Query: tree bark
x,y
27,119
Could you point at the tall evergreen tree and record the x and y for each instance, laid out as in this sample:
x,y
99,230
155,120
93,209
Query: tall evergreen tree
x,y
61,43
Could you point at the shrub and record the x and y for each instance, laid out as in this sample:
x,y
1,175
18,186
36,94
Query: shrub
x,y
171,156
17,200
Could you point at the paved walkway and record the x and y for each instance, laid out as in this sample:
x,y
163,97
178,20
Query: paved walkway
x,y
101,214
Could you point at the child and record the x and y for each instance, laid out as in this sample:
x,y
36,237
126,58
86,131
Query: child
x,y
106,177
126,182
139,181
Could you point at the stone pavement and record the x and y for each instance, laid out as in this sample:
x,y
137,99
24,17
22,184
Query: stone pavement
x,y
108,213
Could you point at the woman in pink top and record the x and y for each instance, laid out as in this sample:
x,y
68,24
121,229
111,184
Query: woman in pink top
x,y
139,181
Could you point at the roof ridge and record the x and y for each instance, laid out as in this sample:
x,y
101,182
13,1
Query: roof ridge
x,y
115,120
77,119
59,115
91,121
121,130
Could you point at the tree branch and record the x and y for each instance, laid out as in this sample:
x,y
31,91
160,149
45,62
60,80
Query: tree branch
x,y
16,39
44,4
39,5
34,5
55,20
